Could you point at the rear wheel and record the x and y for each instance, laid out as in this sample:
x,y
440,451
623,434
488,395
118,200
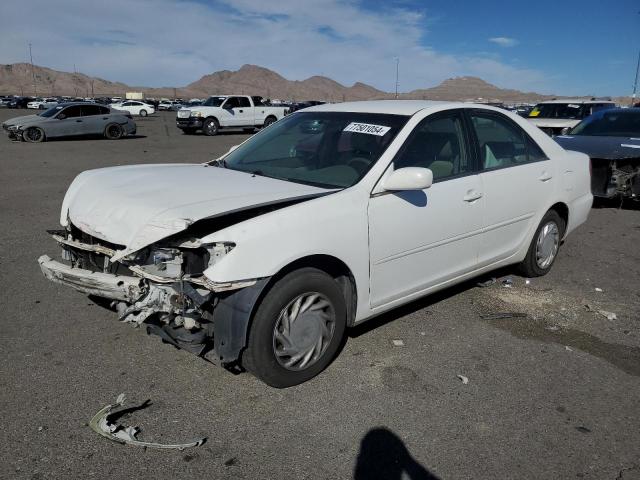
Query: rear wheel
x,y
113,131
297,329
143,113
210,127
33,135
268,121
544,246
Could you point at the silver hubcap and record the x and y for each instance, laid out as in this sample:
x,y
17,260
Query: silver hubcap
x,y
211,127
34,134
547,245
303,331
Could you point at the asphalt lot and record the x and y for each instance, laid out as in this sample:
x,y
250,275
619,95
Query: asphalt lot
x,y
554,395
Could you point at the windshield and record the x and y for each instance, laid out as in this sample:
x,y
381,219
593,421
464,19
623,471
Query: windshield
x,y
51,111
324,149
214,101
611,124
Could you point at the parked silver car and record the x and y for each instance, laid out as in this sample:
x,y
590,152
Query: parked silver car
x,y
71,119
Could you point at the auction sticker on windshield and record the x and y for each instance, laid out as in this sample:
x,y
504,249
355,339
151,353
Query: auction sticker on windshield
x,y
367,128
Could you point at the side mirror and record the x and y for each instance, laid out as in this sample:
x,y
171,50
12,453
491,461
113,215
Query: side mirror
x,y
565,131
409,178
62,116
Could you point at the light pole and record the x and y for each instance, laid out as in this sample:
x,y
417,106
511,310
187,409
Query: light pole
x,y
635,83
397,69
33,75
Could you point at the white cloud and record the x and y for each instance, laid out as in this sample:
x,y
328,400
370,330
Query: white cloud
x,y
504,41
173,43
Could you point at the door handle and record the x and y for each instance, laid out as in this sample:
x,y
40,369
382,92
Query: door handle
x,y
241,111
545,177
472,196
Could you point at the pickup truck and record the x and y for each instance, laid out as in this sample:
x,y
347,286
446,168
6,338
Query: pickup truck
x,y
228,111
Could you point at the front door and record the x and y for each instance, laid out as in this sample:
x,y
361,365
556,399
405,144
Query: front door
x,y
67,122
420,239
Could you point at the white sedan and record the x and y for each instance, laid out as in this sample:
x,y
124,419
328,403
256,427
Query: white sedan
x,y
327,218
42,103
134,107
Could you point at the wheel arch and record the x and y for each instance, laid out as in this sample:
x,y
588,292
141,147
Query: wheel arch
x,y
563,210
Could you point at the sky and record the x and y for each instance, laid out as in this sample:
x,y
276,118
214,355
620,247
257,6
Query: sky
x,y
567,47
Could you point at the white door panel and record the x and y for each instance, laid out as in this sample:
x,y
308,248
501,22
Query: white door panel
x,y
422,238
513,199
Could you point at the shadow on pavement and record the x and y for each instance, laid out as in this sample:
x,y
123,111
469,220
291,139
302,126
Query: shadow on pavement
x,y
383,455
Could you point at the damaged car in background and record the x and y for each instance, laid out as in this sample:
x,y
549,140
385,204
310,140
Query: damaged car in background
x,y
262,258
611,138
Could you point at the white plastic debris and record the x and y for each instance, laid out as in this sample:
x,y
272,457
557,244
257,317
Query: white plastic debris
x,y
423,333
463,379
397,343
121,434
609,315
598,289
507,282
527,282
568,348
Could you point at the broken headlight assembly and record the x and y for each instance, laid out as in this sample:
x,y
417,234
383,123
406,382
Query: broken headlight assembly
x,y
166,264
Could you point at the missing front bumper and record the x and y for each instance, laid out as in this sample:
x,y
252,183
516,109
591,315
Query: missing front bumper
x,y
114,287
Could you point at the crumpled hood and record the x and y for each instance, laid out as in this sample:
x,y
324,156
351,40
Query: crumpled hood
x,y
607,148
23,120
138,205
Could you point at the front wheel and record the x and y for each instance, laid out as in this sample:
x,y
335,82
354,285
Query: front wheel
x,y
544,246
210,127
143,113
33,135
297,329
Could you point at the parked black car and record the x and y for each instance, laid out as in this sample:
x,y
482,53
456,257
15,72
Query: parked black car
x,y
611,138
20,102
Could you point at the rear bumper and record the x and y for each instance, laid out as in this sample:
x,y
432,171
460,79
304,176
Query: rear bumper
x,y
114,287
579,211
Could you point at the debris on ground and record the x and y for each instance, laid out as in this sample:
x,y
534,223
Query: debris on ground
x,y
568,348
486,283
501,315
127,435
397,343
599,289
552,328
507,282
463,379
609,315
527,281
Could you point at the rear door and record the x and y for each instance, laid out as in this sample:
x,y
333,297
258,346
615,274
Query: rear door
x,y
94,120
517,182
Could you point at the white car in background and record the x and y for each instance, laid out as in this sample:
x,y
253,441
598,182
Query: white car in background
x,y
134,107
329,217
169,105
42,103
554,116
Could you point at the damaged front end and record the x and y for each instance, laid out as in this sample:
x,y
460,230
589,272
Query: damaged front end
x,y
162,286
612,178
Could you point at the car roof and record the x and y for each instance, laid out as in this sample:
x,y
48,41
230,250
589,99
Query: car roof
x,y
576,100
397,107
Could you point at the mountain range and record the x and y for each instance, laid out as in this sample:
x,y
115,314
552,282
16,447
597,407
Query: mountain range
x,y
17,78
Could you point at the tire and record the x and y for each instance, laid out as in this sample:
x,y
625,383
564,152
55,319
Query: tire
x,y
268,121
284,353
33,135
544,246
142,113
211,127
113,131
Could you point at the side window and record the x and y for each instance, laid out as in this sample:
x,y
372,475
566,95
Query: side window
x,y
72,112
502,143
127,104
534,152
243,102
88,110
232,102
438,144
104,111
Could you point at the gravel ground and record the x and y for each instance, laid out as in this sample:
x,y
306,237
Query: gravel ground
x,y
553,394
